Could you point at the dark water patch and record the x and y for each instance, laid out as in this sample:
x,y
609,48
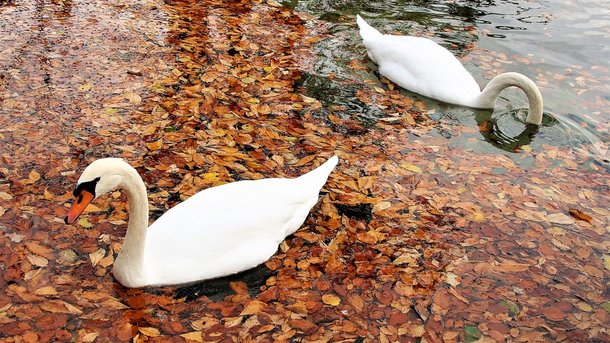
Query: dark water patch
x,y
218,289
358,212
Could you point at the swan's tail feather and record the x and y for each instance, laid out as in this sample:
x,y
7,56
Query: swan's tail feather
x,y
319,175
366,30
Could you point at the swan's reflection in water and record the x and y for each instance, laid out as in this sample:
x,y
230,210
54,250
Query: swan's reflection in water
x,y
493,133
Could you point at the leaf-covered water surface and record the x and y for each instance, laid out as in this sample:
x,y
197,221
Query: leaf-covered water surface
x,y
413,237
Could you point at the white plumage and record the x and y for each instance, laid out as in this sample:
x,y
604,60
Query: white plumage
x,y
422,66
219,231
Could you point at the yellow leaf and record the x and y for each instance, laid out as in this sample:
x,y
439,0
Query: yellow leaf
x,y
150,332
34,176
156,145
90,337
584,306
379,90
411,167
114,304
47,290
84,222
48,195
331,299
248,79
84,87
193,336
478,217
132,97
210,177
380,206
607,261
254,307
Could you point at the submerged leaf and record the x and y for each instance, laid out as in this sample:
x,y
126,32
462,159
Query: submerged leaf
x,y
331,299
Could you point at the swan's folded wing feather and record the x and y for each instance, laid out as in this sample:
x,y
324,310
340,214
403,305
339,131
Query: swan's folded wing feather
x,y
225,229
422,66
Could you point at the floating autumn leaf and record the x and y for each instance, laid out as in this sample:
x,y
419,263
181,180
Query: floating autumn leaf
x,y
248,79
553,313
33,176
411,167
38,261
580,215
132,97
89,337
331,299
47,290
584,306
84,87
60,306
560,218
156,145
96,257
39,249
452,279
478,217
472,333
379,90
149,331
254,307
84,222
193,336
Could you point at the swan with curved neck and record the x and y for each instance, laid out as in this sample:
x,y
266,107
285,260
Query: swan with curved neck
x,y
219,231
422,66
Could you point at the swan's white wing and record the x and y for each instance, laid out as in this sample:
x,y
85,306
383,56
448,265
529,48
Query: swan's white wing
x,y
226,229
422,66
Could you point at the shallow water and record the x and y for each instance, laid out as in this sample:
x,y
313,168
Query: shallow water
x,y
415,235
561,45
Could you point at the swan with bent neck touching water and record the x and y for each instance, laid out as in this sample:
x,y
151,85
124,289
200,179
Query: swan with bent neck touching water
x,y
219,231
422,66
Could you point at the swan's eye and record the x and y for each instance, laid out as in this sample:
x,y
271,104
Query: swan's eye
x,y
80,198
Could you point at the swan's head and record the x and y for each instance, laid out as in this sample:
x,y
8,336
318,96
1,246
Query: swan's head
x,y
100,177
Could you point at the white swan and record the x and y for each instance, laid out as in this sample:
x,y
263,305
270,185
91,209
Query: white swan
x,y
219,231
422,66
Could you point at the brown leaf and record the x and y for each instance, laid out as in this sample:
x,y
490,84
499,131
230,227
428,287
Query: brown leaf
x,y
580,215
60,306
38,261
193,336
156,145
149,331
254,307
47,290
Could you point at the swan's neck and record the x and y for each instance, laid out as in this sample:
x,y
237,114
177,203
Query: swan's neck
x,y
487,98
129,267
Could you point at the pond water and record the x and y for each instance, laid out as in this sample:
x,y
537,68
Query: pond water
x,y
417,235
561,45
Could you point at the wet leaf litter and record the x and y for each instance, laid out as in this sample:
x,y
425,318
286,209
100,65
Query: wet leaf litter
x,y
412,237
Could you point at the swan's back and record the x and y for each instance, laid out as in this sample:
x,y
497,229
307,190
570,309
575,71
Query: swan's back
x,y
420,65
226,229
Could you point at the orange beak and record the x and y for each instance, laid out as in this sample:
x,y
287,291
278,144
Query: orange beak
x,y
79,205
